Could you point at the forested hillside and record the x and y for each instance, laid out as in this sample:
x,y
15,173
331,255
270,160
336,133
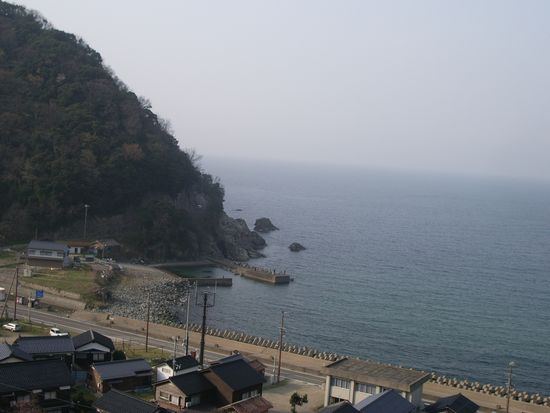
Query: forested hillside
x,y
71,134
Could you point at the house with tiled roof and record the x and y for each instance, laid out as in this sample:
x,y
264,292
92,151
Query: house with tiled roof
x,y
13,354
92,347
389,401
47,347
340,407
174,367
457,403
184,390
256,404
126,375
234,381
47,254
45,382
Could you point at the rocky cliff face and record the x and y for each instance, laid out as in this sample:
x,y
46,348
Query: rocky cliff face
x,y
237,242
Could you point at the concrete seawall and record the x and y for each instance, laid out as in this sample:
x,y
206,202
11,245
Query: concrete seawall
x,y
312,361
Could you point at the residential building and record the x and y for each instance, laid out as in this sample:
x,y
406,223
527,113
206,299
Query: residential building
x,y
255,363
47,254
255,404
457,403
340,407
134,374
47,347
46,383
13,354
115,401
107,248
355,380
389,401
234,381
174,367
92,347
78,246
184,391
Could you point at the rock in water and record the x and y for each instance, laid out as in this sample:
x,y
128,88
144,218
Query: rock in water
x,y
264,225
296,247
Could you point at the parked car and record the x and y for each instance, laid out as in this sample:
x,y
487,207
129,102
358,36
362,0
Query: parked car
x,y
12,326
54,331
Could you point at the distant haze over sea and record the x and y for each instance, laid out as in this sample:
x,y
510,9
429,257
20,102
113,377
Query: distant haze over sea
x,y
447,274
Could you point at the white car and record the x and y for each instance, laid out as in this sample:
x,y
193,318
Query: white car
x,y
12,326
54,331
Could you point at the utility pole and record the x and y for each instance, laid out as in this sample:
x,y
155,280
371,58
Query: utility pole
x,y
511,365
147,324
282,332
204,304
174,354
15,300
86,206
187,319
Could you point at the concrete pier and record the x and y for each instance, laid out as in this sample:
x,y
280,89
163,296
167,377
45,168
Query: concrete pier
x,y
254,273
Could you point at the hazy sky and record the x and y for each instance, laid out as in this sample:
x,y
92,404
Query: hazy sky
x,y
460,86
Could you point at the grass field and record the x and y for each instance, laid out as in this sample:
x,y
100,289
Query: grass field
x,y
80,281
153,356
8,258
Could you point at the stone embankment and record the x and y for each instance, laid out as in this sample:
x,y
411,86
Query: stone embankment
x,y
162,292
490,389
477,387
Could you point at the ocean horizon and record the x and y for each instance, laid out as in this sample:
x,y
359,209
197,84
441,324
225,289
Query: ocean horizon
x,y
437,272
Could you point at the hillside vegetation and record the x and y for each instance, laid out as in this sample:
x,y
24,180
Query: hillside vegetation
x,y
71,134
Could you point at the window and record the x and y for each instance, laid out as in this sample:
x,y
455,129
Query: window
x,y
167,370
32,252
175,400
336,382
164,396
60,254
46,253
49,395
365,388
249,394
98,356
25,398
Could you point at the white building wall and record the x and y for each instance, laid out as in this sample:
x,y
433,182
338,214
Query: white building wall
x,y
360,396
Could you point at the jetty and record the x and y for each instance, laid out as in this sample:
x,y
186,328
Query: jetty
x,y
200,281
253,273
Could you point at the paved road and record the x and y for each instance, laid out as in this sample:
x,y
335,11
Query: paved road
x,y
64,322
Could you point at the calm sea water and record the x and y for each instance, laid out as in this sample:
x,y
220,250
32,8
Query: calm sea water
x,y
442,273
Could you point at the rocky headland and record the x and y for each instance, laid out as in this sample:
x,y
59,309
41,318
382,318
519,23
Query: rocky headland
x,y
264,225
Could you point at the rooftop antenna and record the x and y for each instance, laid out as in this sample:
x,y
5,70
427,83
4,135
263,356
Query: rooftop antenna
x,y
207,300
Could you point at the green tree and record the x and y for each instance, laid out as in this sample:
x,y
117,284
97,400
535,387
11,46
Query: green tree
x,y
297,400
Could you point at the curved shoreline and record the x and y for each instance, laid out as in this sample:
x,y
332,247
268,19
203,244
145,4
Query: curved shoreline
x,y
165,288
293,358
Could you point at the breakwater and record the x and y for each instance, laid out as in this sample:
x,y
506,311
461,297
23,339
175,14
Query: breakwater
x,y
266,275
459,384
